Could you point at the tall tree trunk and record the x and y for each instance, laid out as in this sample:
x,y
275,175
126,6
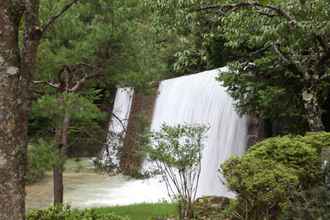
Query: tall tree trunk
x,y
58,169
16,74
313,110
12,129
58,184
62,144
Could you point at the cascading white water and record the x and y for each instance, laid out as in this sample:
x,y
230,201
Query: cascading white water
x,y
200,99
118,124
193,99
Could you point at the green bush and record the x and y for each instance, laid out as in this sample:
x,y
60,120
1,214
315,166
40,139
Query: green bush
x,y
313,203
177,153
262,185
294,152
268,174
40,159
66,213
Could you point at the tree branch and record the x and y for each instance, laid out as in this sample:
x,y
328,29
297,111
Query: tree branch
x,y
53,18
261,50
281,55
120,121
260,8
288,60
49,83
80,83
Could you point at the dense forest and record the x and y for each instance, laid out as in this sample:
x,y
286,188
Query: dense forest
x,y
61,63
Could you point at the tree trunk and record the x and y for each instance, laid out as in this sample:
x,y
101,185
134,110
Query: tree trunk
x,y
313,110
16,74
58,184
13,131
62,144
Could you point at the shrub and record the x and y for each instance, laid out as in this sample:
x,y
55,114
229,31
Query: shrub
x,y
40,159
177,153
66,213
262,185
291,151
267,176
313,203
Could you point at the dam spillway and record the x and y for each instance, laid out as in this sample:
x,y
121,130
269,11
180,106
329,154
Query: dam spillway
x,y
199,99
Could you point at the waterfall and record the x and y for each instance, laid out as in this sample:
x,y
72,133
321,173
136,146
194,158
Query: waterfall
x,y
200,99
118,125
194,99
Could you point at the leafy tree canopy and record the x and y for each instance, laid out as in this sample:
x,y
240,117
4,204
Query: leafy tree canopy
x,y
285,69
279,51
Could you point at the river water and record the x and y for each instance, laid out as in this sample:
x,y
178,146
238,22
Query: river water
x,y
86,190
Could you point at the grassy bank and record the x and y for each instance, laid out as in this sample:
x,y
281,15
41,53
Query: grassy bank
x,y
142,211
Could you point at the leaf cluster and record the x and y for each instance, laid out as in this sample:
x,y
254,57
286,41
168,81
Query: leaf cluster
x,y
283,52
272,170
179,146
66,213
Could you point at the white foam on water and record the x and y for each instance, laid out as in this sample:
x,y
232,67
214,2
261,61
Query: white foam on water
x,y
116,190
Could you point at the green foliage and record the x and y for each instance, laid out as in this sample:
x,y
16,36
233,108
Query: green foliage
x,y
274,75
210,208
178,147
76,37
136,58
66,213
85,118
277,51
310,204
262,186
292,152
113,36
78,107
313,203
319,140
41,157
177,153
189,39
134,212
271,171
108,38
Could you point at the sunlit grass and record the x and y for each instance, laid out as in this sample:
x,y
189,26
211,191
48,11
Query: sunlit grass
x,y
142,211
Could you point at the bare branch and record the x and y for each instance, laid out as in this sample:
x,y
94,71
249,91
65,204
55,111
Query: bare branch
x,y
281,55
282,13
87,65
80,83
261,50
288,60
49,83
120,121
53,18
